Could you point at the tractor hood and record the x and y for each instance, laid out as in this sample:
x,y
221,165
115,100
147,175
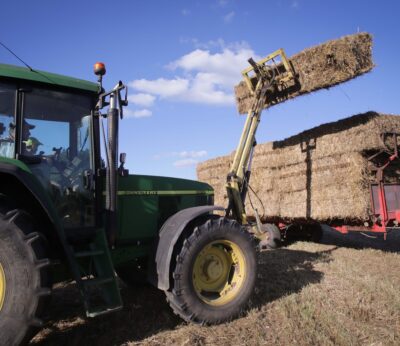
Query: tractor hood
x,y
161,186
146,202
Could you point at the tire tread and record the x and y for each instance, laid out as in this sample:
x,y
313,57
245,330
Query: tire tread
x,y
18,224
176,296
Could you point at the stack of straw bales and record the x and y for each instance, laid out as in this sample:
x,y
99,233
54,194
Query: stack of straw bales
x,y
321,174
319,67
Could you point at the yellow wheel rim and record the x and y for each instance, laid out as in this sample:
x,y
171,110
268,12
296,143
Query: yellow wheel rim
x,y
219,272
2,286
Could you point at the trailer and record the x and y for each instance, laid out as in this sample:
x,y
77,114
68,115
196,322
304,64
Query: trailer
x,y
384,205
265,79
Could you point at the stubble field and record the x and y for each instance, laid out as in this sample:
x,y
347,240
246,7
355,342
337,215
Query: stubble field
x,y
343,291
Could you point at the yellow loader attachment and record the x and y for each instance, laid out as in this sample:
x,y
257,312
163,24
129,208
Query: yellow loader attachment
x,y
272,75
279,66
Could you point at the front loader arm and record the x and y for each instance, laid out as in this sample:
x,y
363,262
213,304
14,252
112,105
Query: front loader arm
x,y
269,78
238,177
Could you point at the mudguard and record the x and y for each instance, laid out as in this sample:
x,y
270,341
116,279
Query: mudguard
x,y
26,178
169,235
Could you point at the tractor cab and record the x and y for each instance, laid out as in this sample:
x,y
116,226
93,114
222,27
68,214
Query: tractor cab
x,y
48,127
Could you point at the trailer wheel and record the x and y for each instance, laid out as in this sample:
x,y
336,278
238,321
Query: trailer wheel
x,y
24,278
273,234
315,232
214,274
306,232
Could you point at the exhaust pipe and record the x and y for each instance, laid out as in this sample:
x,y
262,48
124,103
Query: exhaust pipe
x,y
111,173
115,111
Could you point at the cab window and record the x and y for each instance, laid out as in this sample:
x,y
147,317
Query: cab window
x,y
7,128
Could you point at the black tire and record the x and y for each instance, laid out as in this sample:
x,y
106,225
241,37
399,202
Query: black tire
x,y
26,278
225,237
134,273
306,232
315,232
273,239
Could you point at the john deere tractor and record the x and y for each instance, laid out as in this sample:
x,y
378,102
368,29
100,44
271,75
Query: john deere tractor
x,y
70,211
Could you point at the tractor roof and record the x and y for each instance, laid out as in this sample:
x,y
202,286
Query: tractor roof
x,y
11,71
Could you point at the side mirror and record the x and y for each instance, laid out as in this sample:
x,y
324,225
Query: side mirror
x,y
121,170
122,158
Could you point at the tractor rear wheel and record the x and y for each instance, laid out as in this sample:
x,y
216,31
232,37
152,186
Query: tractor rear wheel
x,y
214,274
24,278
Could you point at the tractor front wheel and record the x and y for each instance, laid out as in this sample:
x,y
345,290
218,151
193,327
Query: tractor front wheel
x,y
24,279
214,274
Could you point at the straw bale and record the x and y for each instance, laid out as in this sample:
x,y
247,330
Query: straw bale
x,y
319,67
326,180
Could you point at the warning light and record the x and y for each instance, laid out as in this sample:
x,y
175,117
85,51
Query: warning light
x,y
99,69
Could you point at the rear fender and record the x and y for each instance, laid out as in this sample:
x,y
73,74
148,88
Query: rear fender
x,y
19,183
168,237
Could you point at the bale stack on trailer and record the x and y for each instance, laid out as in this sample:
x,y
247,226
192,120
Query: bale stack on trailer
x,y
319,67
321,174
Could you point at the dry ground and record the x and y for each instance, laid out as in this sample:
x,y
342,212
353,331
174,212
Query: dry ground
x,y
344,291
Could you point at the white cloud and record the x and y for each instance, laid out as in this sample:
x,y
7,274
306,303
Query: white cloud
x,y
226,65
161,87
193,154
206,77
186,157
205,89
185,154
185,163
213,44
140,113
229,17
144,100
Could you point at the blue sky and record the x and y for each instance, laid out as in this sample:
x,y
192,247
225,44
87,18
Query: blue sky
x,y
182,58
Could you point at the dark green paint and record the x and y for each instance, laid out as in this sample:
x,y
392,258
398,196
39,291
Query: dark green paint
x,y
32,183
17,163
23,73
146,202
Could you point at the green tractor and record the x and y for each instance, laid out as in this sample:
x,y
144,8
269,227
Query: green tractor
x,y
70,211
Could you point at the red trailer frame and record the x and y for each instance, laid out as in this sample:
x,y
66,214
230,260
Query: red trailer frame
x,y
385,197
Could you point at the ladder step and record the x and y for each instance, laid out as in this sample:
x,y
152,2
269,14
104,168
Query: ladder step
x,y
98,281
103,310
89,253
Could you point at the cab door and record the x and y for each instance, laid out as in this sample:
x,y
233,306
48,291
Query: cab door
x,y
55,140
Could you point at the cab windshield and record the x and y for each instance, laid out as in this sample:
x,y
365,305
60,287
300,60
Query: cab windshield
x,y
55,123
